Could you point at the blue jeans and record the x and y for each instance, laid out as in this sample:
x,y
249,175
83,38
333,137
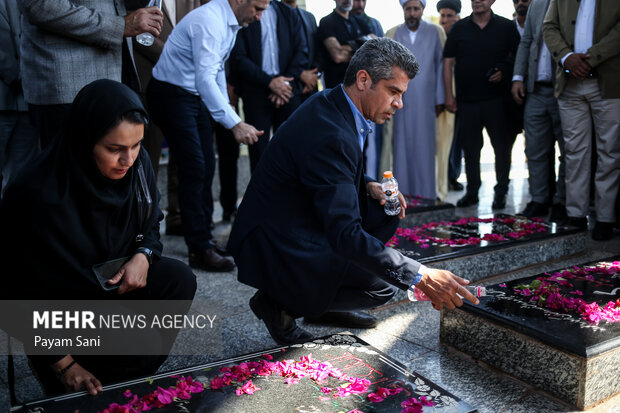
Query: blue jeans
x,y
188,128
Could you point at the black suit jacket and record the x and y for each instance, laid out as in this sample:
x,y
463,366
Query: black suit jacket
x,y
299,228
310,29
246,58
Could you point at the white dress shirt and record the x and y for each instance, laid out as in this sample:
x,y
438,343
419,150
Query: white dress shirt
x,y
584,27
194,55
171,7
544,71
269,41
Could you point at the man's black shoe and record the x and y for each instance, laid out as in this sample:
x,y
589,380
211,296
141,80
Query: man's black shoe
x,y
282,327
220,249
499,201
535,209
454,185
467,200
558,213
603,231
350,319
210,260
581,223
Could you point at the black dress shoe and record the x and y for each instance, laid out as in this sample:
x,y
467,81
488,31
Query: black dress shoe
x,y
535,209
350,319
454,185
220,249
581,223
210,260
603,231
468,200
499,201
282,327
558,213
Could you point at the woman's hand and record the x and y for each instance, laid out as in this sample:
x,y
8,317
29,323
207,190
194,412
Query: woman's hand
x,y
76,377
132,275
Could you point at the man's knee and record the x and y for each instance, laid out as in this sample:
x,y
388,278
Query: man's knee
x,y
383,295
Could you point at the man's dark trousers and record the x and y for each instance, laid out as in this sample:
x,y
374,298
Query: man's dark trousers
x,y
262,114
471,118
360,289
188,129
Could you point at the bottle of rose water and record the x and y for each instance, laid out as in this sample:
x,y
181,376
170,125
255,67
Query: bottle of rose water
x,y
415,294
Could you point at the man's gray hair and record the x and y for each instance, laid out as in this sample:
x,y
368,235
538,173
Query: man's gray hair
x,y
378,57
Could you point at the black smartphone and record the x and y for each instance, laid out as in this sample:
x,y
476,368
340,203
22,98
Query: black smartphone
x,y
106,270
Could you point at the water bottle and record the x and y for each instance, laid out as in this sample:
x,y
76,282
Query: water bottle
x,y
415,294
390,189
147,39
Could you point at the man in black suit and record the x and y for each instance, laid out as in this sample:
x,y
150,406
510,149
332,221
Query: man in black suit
x,y
311,231
266,63
309,77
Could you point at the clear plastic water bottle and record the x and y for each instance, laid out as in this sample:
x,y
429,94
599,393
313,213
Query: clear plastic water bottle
x,y
390,189
147,39
415,294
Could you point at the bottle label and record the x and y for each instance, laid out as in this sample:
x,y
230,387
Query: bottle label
x,y
388,192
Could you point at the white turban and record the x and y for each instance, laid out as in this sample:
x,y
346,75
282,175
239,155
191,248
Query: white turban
x,y
402,2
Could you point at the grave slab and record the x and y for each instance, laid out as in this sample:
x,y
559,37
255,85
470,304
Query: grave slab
x,y
551,339
477,248
422,210
347,353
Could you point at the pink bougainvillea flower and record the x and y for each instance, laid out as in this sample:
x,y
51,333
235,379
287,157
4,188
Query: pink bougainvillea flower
x,y
247,388
127,393
503,285
267,356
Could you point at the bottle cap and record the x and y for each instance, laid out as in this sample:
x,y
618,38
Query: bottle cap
x,y
387,174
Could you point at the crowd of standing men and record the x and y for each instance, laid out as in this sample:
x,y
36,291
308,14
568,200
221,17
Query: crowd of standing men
x,y
551,72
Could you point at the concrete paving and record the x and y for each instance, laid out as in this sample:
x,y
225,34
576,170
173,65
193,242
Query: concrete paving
x,y
408,332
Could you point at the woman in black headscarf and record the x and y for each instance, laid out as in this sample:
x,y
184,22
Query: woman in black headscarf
x,y
91,197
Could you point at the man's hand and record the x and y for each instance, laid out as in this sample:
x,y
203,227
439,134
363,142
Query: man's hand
x,y
577,66
148,19
518,91
442,288
77,378
376,192
245,133
496,77
277,101
281,87
451,104
309,79
132,275
439,109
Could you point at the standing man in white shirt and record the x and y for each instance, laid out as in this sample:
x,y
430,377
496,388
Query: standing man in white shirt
x,y
186,95
584,39
533,72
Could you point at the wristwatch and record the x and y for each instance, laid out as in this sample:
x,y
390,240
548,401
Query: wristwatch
x,y
147,252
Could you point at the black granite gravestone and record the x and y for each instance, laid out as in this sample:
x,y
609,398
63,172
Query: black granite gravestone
x,y
347,353
477,248
559,330
436,241
420,210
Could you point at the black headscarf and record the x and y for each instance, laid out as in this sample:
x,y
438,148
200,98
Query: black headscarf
x,y
62,216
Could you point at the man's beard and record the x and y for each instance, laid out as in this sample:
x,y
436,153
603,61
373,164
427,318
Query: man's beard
x,y
358,11
345,9
521,10
412,23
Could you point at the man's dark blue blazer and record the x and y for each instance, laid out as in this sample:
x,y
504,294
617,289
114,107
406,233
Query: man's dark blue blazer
x,y
299,229
246,58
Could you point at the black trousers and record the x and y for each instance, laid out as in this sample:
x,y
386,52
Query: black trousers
x,y
263,115
471,117
227,158
360,288
168,279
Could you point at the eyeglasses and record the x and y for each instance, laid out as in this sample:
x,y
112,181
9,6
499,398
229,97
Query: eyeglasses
x,y
522,1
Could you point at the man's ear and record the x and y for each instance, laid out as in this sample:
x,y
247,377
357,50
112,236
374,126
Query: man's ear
x,y
362,80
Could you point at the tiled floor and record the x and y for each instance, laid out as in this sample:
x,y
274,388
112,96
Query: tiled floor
x,y
407,332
